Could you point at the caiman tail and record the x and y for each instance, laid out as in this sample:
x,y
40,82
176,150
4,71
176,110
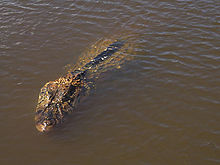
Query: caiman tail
x,y
59,98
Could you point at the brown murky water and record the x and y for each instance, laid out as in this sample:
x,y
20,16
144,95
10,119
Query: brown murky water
x,y
161,107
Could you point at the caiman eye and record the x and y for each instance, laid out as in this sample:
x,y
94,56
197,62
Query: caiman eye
x,y
39,111
49,122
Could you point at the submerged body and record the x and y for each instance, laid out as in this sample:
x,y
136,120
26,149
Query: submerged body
x,y
59,98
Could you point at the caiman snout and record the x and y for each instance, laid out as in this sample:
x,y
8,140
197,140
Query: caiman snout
x,y
44,122
45,126
41,127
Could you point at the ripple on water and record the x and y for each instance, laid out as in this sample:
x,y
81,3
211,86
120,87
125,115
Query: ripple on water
x,y
163,105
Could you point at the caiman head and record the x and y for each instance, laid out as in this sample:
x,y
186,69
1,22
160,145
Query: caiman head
x,y
57,99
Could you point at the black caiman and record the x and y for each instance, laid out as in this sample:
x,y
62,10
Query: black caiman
x,y
59,98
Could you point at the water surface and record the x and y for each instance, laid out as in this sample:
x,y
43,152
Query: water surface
x,y
162,107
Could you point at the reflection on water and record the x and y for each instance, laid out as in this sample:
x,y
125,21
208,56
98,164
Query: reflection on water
x,y
160,107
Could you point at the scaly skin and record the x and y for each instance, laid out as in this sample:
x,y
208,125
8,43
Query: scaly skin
x,y
59,98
